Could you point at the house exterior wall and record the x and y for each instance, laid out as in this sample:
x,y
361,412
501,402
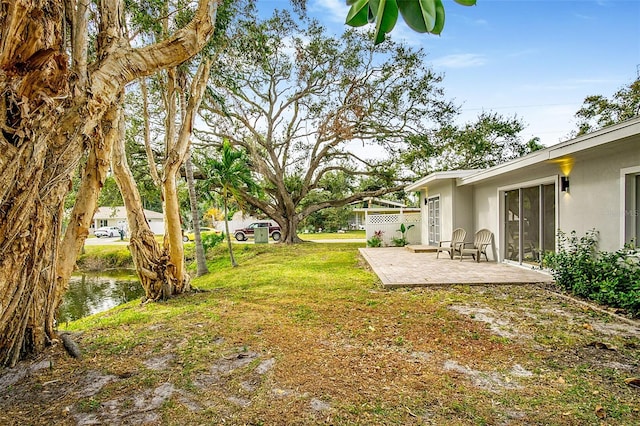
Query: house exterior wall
x,y
156,226
424,239
117,216
485,215
463,202
603,170
456,208
598,193
595,200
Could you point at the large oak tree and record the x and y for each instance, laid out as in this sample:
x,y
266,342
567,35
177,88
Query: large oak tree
x,y
296,99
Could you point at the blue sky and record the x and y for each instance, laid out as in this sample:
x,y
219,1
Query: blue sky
x,y
538,59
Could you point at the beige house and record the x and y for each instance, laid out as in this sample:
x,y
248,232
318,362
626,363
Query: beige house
x,y
590,182
117,216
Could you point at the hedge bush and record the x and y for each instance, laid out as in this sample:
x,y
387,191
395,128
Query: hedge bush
x,y
609,278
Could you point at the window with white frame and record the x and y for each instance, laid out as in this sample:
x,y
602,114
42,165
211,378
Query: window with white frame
x,y
630,195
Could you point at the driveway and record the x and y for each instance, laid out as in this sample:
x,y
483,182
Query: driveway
x,y
399,267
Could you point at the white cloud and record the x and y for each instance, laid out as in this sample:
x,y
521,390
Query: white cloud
x,y
460,60
334,10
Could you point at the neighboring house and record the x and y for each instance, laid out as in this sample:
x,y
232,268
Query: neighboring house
x,y
117,216
375,214
372,205
590,182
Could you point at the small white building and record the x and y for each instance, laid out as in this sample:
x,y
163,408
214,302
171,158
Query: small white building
x,y
590,182
117,216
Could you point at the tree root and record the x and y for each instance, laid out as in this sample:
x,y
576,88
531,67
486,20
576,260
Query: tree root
x,y
71,346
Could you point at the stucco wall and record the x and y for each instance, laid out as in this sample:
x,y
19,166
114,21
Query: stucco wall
x,y
463,201
593,201
604,194
596,190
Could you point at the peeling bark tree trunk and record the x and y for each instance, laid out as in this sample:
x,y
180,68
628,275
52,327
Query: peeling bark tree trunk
x,y
46,115
37,160
94,175
157,274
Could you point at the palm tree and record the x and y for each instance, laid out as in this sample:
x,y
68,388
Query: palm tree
x,y
201,261
226,176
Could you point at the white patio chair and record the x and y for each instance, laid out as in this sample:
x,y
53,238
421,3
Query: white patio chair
x,y
453,245
481,241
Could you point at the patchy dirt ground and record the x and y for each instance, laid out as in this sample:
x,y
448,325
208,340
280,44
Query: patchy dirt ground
x,y
502,355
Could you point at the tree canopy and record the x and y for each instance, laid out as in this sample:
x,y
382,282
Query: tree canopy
x,y
296,99
597,111
489,140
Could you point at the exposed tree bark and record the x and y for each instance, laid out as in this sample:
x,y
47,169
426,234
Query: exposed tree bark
x,y
157,274
177,150
201,260
37,161
147,134
47,112
94,175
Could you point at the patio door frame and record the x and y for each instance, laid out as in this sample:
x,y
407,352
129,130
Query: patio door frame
x,y
434,209
630,205
503,231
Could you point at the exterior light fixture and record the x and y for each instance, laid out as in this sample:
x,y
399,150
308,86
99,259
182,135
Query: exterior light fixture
x,y
564,183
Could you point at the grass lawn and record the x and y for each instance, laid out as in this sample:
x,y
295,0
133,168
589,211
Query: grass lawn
x,y
347,235
304,335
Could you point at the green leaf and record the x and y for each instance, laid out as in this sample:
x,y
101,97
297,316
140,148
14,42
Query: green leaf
x,y
373,10
420,15
386,19
437,28
466,2
358,14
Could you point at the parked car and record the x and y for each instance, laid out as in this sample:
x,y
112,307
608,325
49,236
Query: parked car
x,y
107,231
191,236
243,234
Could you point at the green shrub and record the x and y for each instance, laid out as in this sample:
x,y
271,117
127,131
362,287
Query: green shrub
x,y
402,241
609,278
105,257
210,240
376,240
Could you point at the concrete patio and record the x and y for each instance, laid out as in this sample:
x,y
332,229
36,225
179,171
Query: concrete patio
x,y
400,267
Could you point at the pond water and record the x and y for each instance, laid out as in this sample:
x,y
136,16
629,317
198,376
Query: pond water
x,y
92,293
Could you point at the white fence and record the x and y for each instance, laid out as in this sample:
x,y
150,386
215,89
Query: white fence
x,y
389,224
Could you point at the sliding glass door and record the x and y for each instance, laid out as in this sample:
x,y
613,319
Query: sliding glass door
x,y
529,223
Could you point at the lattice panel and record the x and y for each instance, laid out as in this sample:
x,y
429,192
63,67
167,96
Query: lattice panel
x,y
389,224
375,219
